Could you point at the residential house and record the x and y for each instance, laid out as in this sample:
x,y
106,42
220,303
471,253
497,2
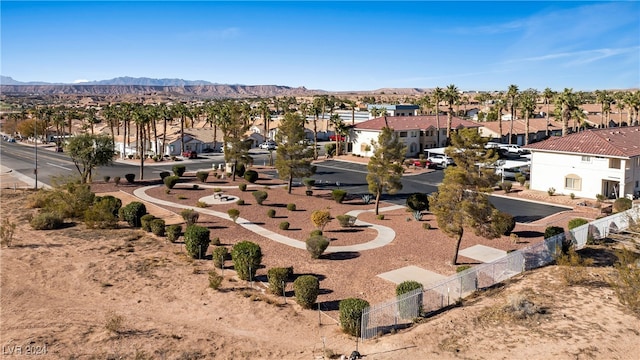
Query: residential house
x,y
589,163
417,132
537,130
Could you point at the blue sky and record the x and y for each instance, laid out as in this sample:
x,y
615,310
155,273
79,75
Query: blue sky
x,y
328,45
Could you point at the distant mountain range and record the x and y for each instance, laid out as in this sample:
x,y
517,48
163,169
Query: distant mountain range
x,y
173,87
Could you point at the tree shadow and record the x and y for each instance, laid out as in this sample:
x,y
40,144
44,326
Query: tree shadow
x,y
346,230
332,305
528,234
341,255
602,257
325,291
320,277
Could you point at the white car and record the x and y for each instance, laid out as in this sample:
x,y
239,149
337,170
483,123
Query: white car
x,y
268,145
440,160
513,149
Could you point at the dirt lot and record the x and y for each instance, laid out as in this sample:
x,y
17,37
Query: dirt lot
x,y
86,294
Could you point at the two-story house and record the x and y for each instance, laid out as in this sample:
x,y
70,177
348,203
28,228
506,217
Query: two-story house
x,y
417,132
589,163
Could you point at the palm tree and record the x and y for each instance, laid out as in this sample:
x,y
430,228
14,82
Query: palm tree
x,y
181,110
437,96
527,103
512,94
632,102
265,112
317,108
548,95
604,98
451,96
141,118
90,116
338,127
499,104
566,104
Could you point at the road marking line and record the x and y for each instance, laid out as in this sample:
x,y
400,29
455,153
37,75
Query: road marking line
x,y
62,167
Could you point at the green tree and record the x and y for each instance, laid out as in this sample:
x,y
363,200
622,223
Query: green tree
x,y
512,94
548,95
527,103
437,96
566,106
462,200
293,157
88,152
385,166
451,96
234,123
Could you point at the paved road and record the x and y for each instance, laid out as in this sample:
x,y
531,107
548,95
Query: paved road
x,y
330,174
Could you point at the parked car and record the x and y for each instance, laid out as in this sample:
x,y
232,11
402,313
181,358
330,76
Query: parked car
x,y
268,145
340,137
427,164
190,154
440,160
513,149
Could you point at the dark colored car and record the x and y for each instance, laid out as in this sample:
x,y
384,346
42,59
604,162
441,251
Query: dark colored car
x,y
190,154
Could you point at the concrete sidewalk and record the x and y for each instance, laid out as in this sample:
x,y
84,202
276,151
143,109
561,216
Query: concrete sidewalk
x,y
385,234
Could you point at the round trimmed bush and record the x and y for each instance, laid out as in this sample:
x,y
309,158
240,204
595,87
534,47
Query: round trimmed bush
x,y
504,223
242,187
338,195
233,214
178,170
145,220
202,176
240,170
284,225
157,227
316,245
196,241
316,232
306,289
260,196
552,231
130,178
291,207
171,181
132,213
240,202
173,232
418,202
277,278
219,255
109,203
346,220
271,213
308,182
164,174
190,216
46,221
405,309
351,315
251,176
246,257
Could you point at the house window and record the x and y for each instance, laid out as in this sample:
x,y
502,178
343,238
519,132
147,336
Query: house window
x,y
614,163
403,134
586,158
414,134
573,182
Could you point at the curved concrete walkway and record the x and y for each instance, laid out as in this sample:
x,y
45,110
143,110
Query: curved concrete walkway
x,y
384,237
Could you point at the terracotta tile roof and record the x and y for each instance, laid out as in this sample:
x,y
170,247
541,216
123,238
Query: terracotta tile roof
x,y
618,142
413,122
535,125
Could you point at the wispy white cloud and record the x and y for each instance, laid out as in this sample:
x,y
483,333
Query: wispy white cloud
x,y
578,57
80,81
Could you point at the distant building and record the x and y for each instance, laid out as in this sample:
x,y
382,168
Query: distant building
x,y
393,110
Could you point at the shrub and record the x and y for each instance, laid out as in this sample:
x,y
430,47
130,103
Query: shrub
x,y
215,279
145,220
574,223
260,196
157,227
164,174
330,149
418,202
108,203
284,225
46,221
309,183
404,307
271,213
196,241
351,315
219,255
178,170
521,179
251,176
116,180
366,198
572,196
246,257
170,181
426,226
291,207
202,176
173,232
338,195
132,213
320,218
202,204
181,197
130,178
551,231
106,178
240,202
506,186
190,216
99,217
242,187
216,241
7,229
504,223
277,278
316,245
233,214
240,170
306,289
627,281
315,232
417,215
462,268
551,191
346,220
622,204
380,217
600,197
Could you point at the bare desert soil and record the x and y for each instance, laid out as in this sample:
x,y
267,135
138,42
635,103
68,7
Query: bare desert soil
x,y
127,294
